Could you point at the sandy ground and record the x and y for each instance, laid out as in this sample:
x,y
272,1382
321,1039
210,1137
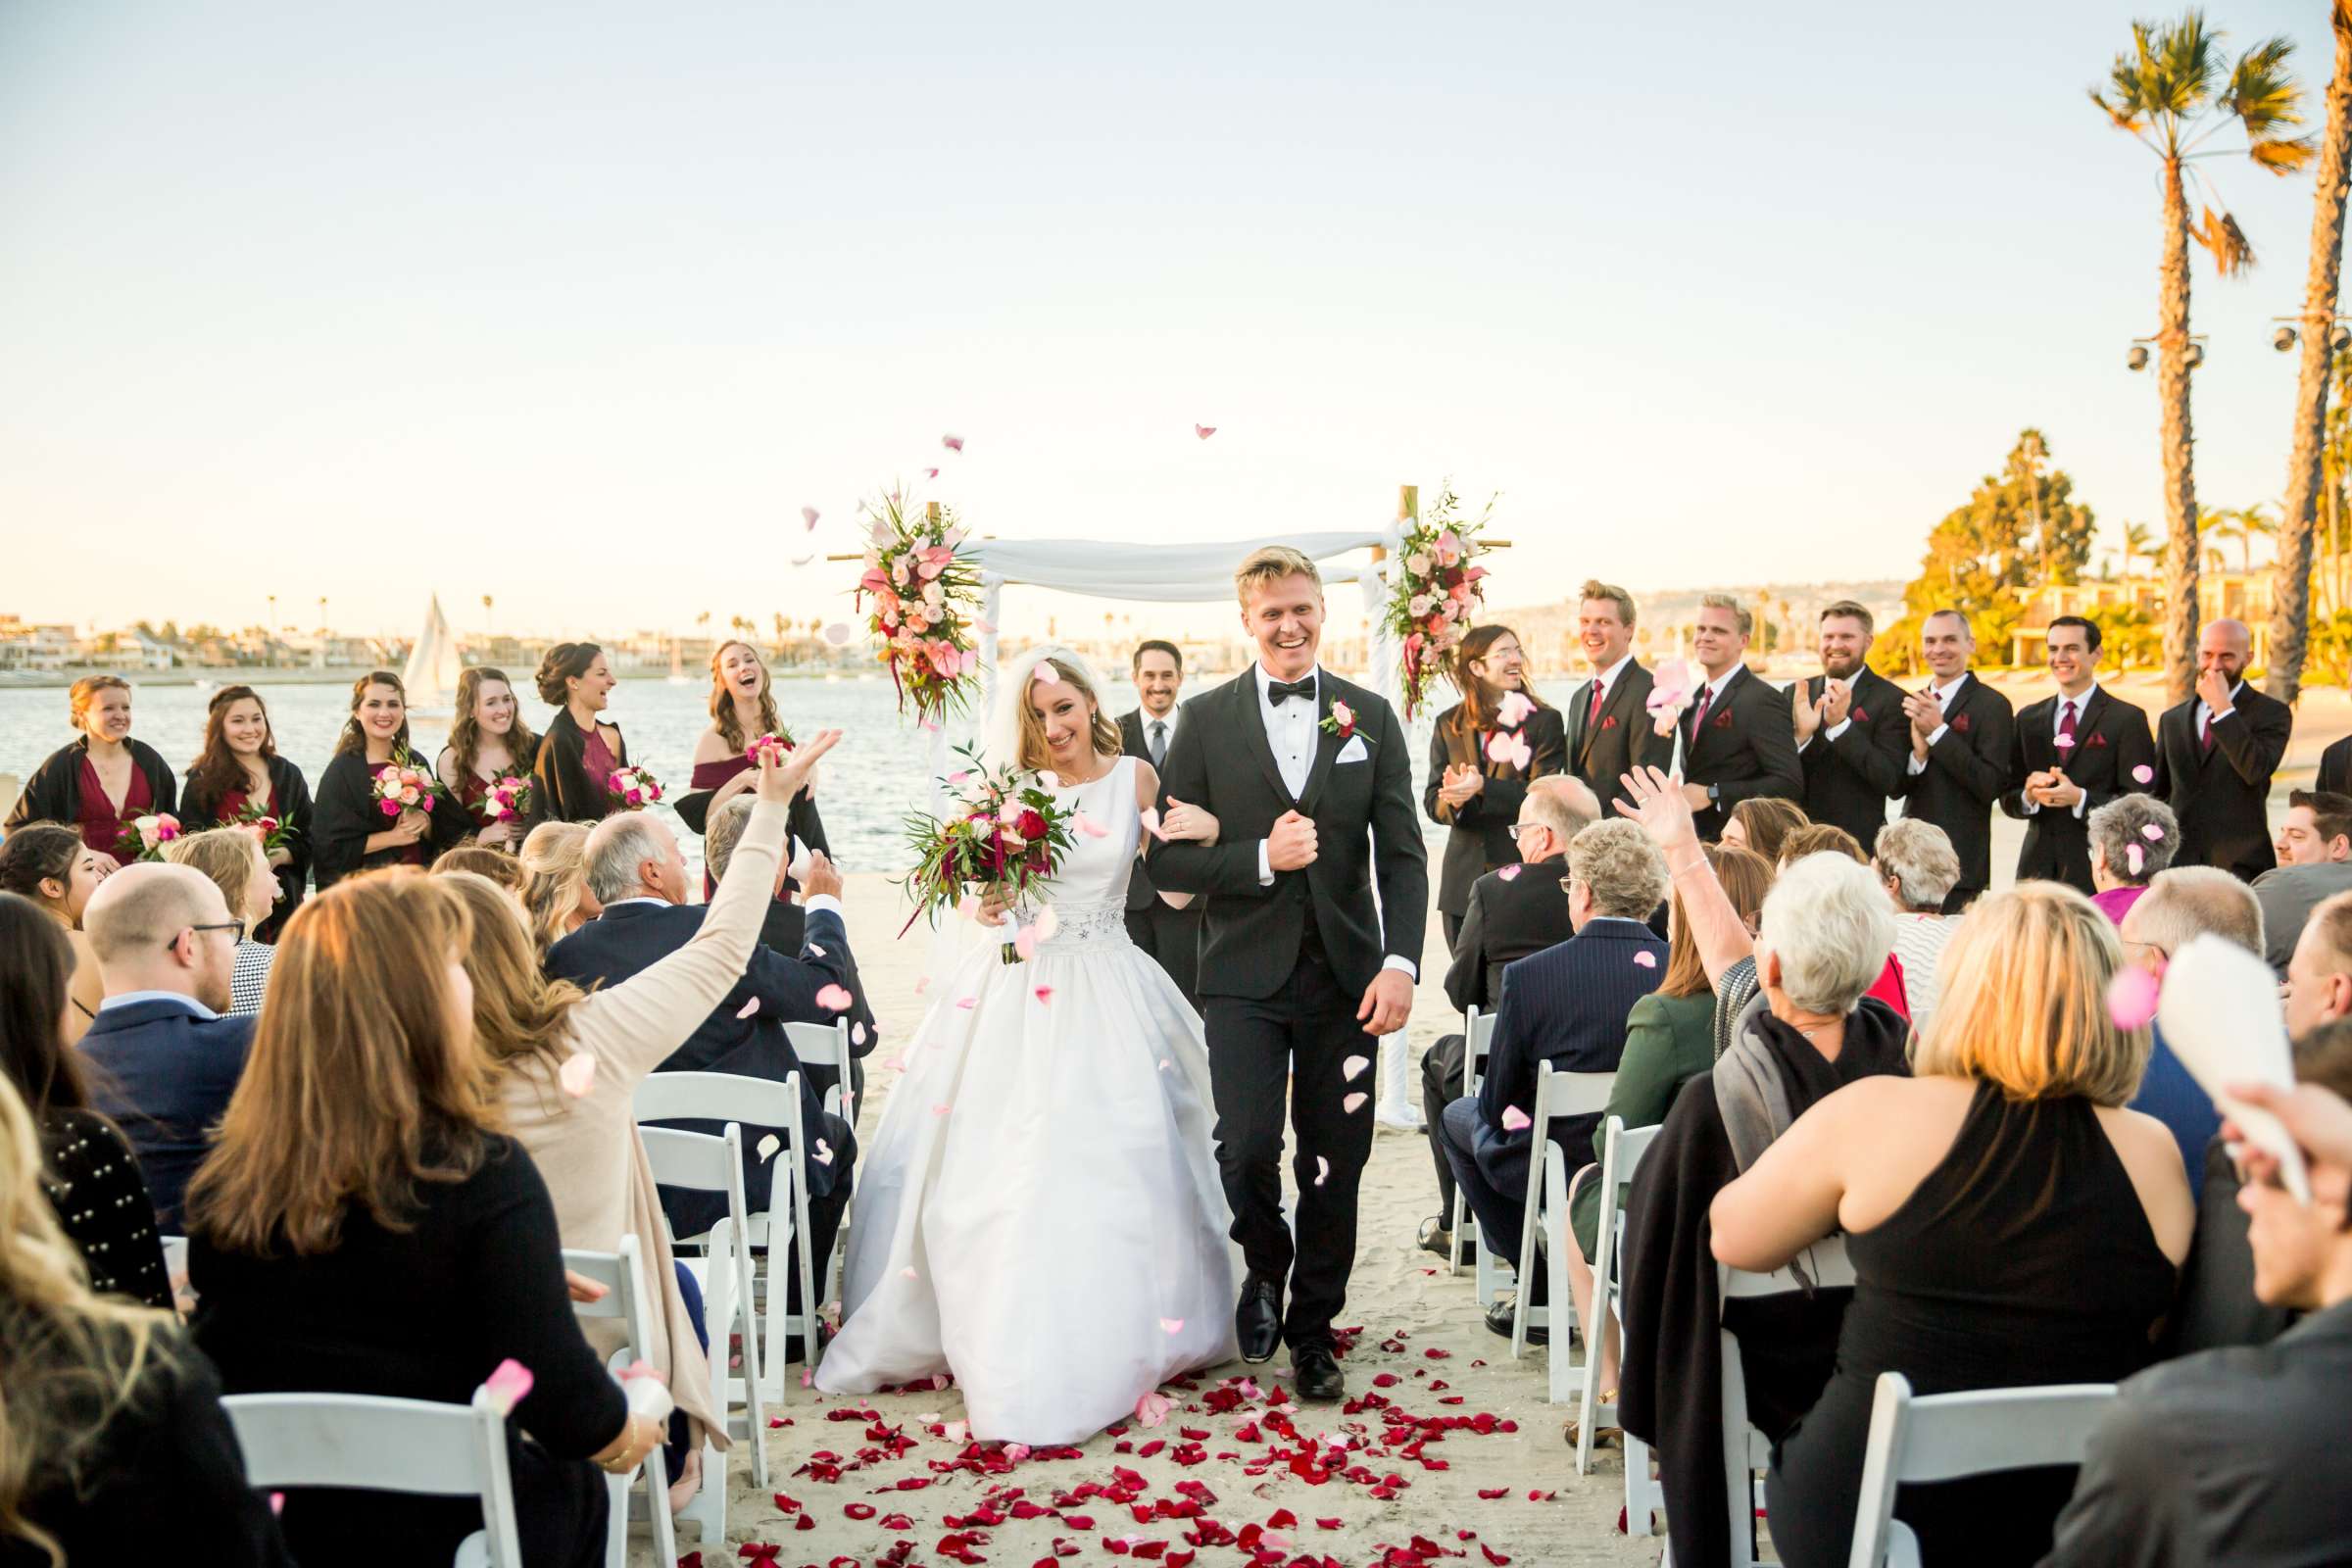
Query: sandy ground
x,y
1416,1466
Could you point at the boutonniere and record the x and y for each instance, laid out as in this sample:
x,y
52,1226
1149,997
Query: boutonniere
x,y
1340,721
1959,721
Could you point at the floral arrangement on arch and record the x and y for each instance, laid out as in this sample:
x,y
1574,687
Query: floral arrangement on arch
x,y
926,605
1434,597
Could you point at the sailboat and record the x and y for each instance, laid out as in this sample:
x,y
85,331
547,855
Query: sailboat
x,y
433,665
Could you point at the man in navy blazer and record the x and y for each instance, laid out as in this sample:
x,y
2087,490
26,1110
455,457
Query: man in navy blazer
x,y
636,870
1565,1005
167,1060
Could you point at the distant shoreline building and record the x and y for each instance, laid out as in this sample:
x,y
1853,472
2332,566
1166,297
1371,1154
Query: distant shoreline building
x,y
2220,595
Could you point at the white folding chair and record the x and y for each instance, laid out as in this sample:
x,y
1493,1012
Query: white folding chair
x,y
1745,1450
782,1230
381,1444
701,1162
1478,1043
1559,1096
627,1298
176,1255
1915,1440
1622,1150
827,1045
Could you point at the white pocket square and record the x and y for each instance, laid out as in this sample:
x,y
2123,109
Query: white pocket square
x,y
1354,751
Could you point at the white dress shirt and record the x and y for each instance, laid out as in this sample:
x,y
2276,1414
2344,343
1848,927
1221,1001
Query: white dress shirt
x,y
1143,716
1606,681
132,999
1944,704
2058,728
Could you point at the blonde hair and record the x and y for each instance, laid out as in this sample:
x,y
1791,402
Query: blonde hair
x,y
1745,617
70,1361
357,1093
1595,588
86,692
1103,732
2022,1001
496,864
518,1014
554,862
226,854
1270,564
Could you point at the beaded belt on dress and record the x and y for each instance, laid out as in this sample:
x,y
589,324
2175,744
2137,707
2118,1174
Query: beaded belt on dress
x,y
1083,925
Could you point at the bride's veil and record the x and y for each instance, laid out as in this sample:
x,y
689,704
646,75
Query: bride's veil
x,y
1002,742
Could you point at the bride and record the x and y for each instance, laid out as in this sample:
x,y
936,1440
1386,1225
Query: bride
x,y
1041,1213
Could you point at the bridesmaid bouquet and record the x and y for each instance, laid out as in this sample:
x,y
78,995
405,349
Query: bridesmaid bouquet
x,y
1437,595
273,834
778,743
926,605
145,836
632,788
506,800
1004,836
399,787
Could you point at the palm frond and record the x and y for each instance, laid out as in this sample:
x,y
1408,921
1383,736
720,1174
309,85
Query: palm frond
x,y
2220,234
2284,156
2263,92
2120,117
2188,65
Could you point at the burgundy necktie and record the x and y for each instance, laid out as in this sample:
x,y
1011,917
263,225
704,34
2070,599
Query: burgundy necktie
x,y
1698,714
2205,735
2066,727
1592,709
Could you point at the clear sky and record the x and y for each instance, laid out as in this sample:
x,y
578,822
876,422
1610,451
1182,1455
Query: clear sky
x,y
579,304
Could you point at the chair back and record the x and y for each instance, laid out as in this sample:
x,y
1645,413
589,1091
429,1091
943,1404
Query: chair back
x,y
369,1442
827,1045
1477,1044
719,1097
1745,1451
176,1255
1562,1095
1945,1437
626,1291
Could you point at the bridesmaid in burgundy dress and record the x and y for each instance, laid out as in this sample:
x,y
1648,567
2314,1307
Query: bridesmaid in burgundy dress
x,y
487,742
240,777
743,707
580,752
101,780
349,829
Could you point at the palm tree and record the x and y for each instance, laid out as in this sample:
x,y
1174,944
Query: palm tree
x,y
2290,596
2174,92
2138,542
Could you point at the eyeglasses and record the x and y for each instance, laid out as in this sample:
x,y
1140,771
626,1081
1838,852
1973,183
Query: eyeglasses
x,y
1517,828
236,928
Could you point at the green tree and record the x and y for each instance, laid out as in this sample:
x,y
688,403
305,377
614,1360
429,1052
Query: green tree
x,y
2173,91
2138,545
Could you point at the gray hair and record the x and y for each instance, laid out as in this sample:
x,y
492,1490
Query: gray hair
x,y
723,832
1827,922
1620,868
144,907
2123,822
1920,857
1562,803
617,847
2194,901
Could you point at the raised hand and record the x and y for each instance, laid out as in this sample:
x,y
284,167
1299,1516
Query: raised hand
x,y
1657,801
1803,712
821,876
2213,688
1292,843
782,781
1837,702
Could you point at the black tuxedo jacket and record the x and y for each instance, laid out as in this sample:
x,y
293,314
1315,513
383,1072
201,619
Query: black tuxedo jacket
x,y
1745,747
1850,780
2335,767
1508,918
2223,797
1967,771
2111,742
1623,739
1367,833
1142,891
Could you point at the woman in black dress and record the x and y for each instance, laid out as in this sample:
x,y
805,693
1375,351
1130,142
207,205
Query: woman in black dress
x,y
579,752
100,781
488,741
1477,777
362,1227
2010,1223
92,1177
242,779
349,828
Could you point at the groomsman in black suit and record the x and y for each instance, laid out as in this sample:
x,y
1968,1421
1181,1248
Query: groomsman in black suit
x,y
1610,728
1737,740
1171,936
1962,732
2335,768
2075,752
1851,730
2215,755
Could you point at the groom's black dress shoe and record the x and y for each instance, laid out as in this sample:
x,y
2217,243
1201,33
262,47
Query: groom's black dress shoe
x,y
1258,1320
1316,1372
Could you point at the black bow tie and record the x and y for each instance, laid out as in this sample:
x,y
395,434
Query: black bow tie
x,y
1279,692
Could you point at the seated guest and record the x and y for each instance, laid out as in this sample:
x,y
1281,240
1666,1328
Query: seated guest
x,y
1508,917
1979,1199
493,865
1819,838
2185,902
639,877
363,1227
167,1060
115,1431
101,780
2314,862
530,1027
555,887
353,831
1820,943
1669,1039
51,865
487,742
580,752
240,777
1918,867
1565,1005
2125,855
785,926
1763,823
89,1172
233,858
2237,1455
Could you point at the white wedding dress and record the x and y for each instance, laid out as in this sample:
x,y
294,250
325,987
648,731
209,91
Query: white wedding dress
x,y
1041,1213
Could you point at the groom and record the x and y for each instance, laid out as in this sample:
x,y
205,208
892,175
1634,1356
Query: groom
x,y
1308,779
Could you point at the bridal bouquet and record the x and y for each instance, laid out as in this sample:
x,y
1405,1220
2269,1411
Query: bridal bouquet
x,y
146,835
1003,836
1435,595
506,800
632,788
926,605
399,787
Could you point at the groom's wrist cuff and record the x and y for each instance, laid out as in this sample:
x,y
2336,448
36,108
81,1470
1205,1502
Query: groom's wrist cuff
x,y
1265,868
1398,960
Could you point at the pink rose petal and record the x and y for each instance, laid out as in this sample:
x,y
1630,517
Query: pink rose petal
x,y
967,1003
1204,432
986,628
747,1008
835,999
1354,1068
808,517
956,1431
2132,996
962,775
1354,1103
908,1273
838,633
1152,1409
1515,1121
1513,709
1045,993
578,1075
930,474
824,1152
1089,826
1171,1325
2064,743
1322,1169
2136,857
953,443
506,1385
1510,873
940,1109
815,951
1045,674
1024,941
2143,774
968,906
1149,817
2152,833
1648,960
856,1034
